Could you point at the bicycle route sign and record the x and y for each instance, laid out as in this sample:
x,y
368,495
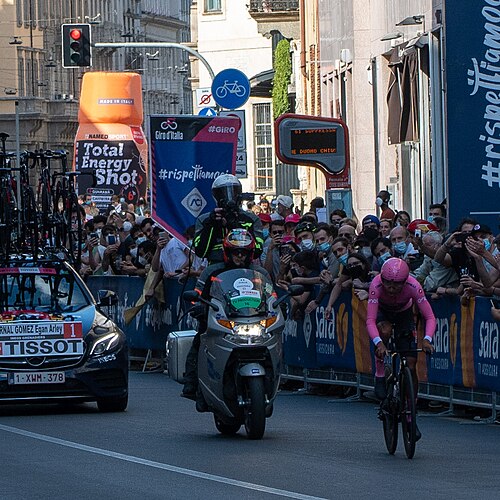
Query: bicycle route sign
x,y
231,88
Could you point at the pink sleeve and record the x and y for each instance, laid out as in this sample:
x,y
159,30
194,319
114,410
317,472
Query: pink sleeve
x,y
372,310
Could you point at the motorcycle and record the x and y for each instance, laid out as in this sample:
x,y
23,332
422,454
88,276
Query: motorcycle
x,y
240,355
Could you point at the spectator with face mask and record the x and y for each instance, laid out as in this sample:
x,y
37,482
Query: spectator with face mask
x,y
336,216
402,246
382,201
324,237
402,218
355,274
304,232
382,251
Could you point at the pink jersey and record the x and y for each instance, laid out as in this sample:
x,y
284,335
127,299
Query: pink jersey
x,y
412,293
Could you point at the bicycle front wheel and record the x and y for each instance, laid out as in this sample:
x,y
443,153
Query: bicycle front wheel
x,y
408,413
388,408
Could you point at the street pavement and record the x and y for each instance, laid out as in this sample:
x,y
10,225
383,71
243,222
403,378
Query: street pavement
x,y
160,448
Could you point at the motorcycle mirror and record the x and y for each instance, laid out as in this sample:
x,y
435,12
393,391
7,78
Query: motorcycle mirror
x,y
191,296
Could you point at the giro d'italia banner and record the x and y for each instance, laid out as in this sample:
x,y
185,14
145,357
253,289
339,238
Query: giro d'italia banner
x,y
472,37
110,141
187,154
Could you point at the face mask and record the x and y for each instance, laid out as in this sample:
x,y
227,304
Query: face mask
x,y
355,271
430,218
384,257
265,233
98,232
140,240
324,247
189,243
379,201
307,244
366,252
400,247
122,200
487,244
133,252
142,261
127,226
343,259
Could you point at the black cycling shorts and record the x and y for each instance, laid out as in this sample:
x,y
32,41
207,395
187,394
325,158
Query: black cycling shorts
x,y
404,329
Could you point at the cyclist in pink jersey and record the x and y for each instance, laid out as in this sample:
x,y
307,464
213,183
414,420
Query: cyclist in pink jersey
x,y
391,296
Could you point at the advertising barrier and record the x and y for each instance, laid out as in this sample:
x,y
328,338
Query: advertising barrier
x,y
466,338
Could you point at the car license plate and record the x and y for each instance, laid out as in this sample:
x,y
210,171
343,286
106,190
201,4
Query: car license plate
x,y
37,378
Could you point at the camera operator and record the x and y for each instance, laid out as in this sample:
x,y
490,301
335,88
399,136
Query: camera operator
x,y
211,228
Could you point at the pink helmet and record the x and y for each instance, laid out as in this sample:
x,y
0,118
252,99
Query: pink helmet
x,y
395,269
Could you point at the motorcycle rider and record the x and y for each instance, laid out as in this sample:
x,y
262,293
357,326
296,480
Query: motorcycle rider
x,y
238,252
211,228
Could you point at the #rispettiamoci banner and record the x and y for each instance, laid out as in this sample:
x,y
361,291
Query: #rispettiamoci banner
x,y
187,154
110,140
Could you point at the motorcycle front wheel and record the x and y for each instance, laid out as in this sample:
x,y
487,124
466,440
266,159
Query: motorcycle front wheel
x,y
255,412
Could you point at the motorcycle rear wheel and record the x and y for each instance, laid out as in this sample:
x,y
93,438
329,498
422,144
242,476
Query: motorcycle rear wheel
x,y
225,428
255,412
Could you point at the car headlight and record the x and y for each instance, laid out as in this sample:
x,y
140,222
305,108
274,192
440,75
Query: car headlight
x,y
105,343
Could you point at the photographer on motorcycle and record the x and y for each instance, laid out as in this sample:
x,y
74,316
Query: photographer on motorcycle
x,y
238,252
212,228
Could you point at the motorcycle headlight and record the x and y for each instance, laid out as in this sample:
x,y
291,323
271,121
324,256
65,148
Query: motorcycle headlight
x,y
105,343
249,330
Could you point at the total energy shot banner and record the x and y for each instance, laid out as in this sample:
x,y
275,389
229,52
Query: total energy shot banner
x,y
110,140
187,154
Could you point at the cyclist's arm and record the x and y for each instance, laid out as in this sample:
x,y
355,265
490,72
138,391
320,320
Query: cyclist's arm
x,y
371,315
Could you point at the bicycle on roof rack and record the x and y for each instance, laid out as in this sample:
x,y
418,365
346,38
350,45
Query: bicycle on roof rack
x,y
49,223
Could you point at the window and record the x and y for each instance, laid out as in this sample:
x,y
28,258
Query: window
x,y
263,146
213,5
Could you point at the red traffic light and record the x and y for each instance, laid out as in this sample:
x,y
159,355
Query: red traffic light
x,y
75,34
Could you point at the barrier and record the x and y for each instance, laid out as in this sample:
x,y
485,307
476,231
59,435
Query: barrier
x,y
463,369
151,326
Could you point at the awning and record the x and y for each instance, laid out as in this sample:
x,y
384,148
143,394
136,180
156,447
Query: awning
x,y
261,84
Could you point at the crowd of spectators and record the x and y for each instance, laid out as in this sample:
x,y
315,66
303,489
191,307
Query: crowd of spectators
x,y
333,250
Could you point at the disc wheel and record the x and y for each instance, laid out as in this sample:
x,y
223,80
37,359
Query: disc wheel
x,y
255,412
225,428
390,420
408,413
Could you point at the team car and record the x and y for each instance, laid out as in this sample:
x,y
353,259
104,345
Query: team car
x,y
56,344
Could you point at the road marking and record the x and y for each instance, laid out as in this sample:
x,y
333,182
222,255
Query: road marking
x,y
158,465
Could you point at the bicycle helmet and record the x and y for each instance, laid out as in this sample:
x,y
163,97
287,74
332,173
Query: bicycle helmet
x,y
226,189
239,239
395,269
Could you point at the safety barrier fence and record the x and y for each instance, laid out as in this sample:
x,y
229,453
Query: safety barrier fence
x,y
464,369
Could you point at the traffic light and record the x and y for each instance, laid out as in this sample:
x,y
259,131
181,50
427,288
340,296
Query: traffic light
x,y
76,45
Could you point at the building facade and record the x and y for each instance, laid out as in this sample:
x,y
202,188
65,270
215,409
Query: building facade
x,y
31,73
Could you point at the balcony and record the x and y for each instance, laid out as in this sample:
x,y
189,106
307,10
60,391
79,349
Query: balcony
x,y
281,15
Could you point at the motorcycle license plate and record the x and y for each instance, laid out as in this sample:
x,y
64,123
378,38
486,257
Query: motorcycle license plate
x,y
27,378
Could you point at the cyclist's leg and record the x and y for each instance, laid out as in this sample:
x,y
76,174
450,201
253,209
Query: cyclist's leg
x,y
384,326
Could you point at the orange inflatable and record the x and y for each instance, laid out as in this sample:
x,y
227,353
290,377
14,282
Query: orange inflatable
x,y
110,140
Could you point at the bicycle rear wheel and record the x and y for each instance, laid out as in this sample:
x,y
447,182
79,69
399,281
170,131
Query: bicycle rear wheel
x,y
388,408
408,413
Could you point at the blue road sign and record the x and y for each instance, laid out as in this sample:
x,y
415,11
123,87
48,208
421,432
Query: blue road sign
x,y
207,112
231,88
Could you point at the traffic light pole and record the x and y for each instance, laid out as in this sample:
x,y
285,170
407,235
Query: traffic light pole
x,y
157,45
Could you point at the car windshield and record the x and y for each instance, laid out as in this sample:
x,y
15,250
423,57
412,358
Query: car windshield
x,y
40,289
243,292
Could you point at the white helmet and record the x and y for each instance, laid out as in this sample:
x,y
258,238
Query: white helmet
x,y
226,189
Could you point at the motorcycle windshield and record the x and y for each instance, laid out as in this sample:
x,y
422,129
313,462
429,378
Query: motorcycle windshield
x,y
243,292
